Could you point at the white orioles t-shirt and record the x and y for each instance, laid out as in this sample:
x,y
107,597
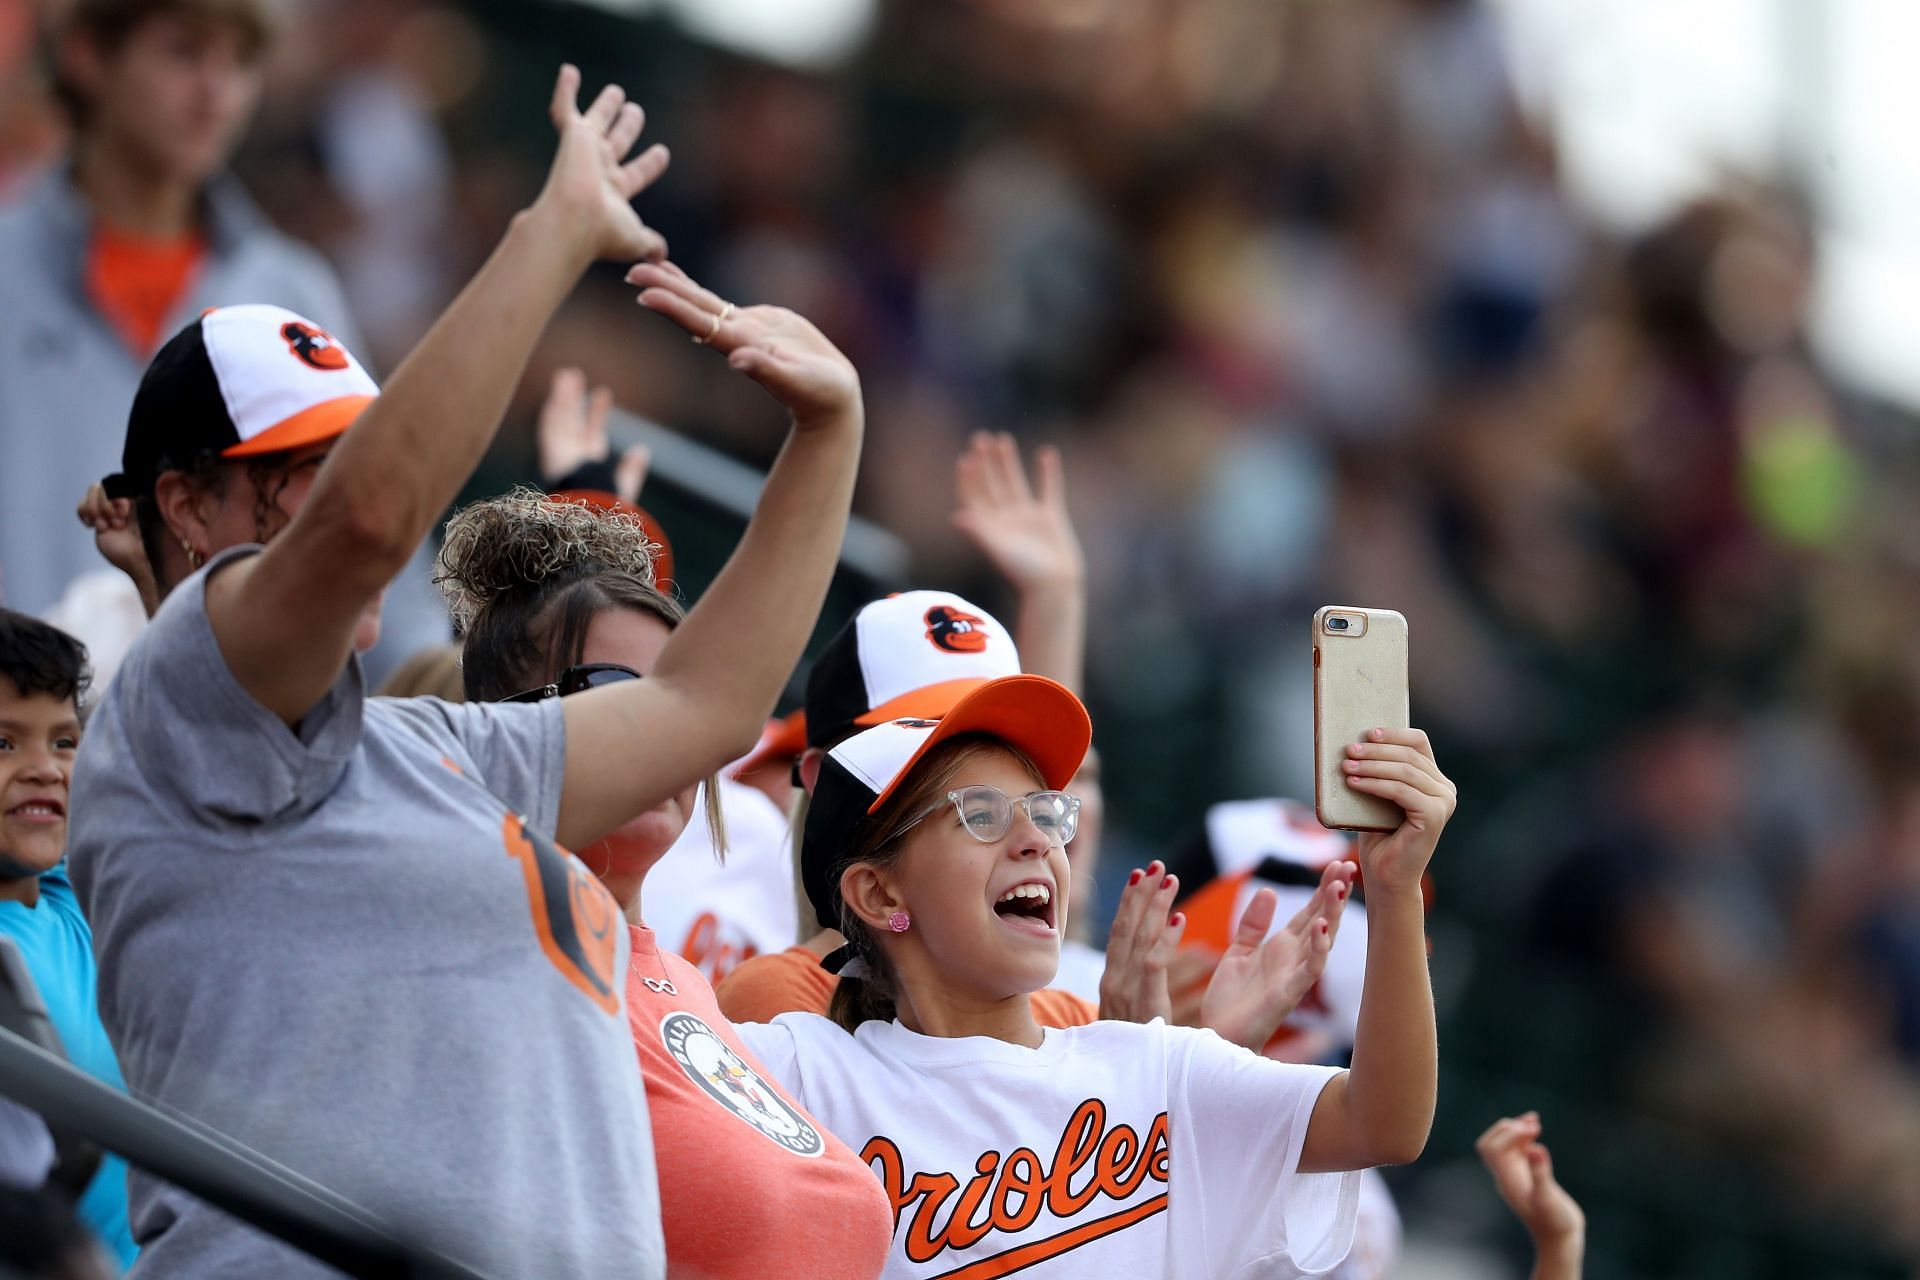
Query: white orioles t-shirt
x,y
714,916
1111,1150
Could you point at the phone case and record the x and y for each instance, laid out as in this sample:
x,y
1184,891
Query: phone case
x,y
1359,683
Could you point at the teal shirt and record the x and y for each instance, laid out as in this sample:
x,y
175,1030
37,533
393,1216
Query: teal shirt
x,y
58,947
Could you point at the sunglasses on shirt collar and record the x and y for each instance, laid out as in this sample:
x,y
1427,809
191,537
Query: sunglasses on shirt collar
x,y
590,675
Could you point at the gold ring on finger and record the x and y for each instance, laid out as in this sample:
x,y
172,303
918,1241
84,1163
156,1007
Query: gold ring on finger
x,y
714,332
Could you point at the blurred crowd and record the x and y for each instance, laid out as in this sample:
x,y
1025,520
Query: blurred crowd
x,y
1297,290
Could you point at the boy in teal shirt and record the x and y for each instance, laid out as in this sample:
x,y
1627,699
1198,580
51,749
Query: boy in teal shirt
x,y
43,673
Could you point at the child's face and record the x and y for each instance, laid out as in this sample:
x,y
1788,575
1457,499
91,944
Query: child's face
x,y
954,886
39,734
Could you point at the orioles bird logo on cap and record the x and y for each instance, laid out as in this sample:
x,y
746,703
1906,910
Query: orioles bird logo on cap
x,y
315,348
956,632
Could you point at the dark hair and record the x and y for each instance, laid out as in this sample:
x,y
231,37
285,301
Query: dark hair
x,y
203,471
879,841
524,576
39,658
110,22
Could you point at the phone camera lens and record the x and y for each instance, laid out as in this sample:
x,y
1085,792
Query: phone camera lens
x,y
1337,624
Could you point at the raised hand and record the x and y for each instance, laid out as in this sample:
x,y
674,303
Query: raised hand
x,y
573,425
1261,979
592,183
118,538
781,351
573,433
1398,765
1522,1170
1025,532
1140,947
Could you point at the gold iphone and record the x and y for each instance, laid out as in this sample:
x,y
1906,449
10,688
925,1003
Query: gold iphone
x,y
1359,683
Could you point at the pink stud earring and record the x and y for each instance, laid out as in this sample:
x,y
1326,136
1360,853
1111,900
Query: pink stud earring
x,y
899,922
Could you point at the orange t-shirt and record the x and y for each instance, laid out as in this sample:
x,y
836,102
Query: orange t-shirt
x,y
136,280
792,981
751,1186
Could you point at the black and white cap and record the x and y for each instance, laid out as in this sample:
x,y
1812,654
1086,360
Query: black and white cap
x,y
912,656
238,382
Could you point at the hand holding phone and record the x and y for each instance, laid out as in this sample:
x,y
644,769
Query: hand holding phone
x,y
1359,683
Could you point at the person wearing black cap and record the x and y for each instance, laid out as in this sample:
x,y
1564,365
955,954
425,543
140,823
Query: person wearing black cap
x,y
1116,1148
346,930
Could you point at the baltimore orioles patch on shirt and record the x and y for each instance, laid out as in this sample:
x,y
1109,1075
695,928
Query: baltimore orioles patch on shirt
x,y
728,1080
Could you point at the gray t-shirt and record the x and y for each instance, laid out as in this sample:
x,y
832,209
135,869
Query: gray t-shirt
x,y
342,948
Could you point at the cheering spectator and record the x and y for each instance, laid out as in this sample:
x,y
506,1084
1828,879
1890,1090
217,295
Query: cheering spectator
x,y
321,890
43,676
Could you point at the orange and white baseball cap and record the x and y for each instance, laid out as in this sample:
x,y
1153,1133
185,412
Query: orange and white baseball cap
x,y
909,656
1038,716
239,382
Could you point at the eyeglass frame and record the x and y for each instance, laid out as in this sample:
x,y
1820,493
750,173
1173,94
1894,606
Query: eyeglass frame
x,y
1023,803
576,679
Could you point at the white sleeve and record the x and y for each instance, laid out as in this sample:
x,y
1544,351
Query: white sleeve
x,y
774,1045
1238,1123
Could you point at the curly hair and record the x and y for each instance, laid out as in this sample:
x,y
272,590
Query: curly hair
x,y
525,539
524,575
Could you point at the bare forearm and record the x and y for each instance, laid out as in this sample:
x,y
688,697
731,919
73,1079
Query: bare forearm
x,y
1394,1079
631,745
395,472
1559,1257
1052,631
740,643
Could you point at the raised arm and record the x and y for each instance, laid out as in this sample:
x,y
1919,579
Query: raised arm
x,y
1024,529
285,619
632,744
1381,1110
1522,1171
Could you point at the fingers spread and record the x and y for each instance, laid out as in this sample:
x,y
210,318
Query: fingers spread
x,y
1014,476
1050,471
606,106
627,125
641,172
599,406
565,104
1256,919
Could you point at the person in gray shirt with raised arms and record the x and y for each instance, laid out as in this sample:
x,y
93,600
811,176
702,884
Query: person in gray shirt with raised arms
x,y
346,929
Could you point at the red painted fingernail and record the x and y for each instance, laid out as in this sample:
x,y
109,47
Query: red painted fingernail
x,y
1323,928
1177,919
1155,867
1339,891
1167,883
1135,878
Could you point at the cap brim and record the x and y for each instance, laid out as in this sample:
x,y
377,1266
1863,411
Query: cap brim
x,y
928,702
1040,717
324,421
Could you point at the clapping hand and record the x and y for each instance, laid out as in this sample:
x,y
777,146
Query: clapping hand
x,y
1261,980
1140,947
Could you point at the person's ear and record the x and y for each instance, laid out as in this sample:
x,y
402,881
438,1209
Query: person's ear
x,y
187,510
871,894
810,761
